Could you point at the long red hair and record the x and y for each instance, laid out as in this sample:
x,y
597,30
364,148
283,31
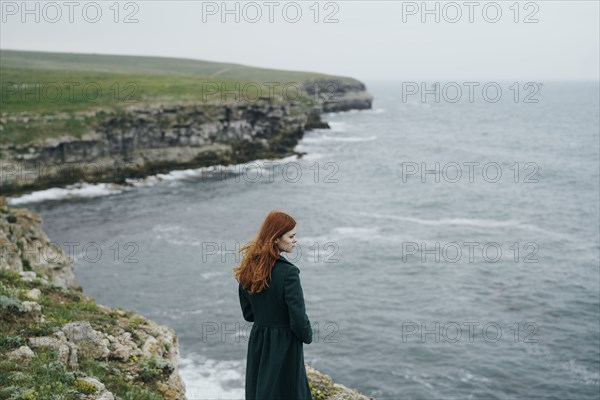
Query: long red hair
x,y
261,253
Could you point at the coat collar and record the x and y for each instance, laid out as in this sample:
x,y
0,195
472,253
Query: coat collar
x,y
282,258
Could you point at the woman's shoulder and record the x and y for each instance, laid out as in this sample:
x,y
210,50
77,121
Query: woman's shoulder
x,y
286,264
284,260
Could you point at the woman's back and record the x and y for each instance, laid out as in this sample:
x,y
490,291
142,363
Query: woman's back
x,y
275,360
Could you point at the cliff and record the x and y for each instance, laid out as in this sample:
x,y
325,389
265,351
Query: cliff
x,y
142,140
57,342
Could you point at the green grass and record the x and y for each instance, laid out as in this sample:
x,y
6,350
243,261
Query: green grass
x,y
72,88
42,378
48,92
148,66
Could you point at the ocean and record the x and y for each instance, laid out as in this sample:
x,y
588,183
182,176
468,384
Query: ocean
x,y
448,249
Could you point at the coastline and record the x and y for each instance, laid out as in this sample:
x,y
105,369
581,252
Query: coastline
x,y
144,140
134,143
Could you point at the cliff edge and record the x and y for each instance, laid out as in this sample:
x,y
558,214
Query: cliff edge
x,y
57,342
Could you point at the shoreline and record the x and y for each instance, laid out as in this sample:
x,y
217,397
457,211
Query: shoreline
x,y
140,141
90,190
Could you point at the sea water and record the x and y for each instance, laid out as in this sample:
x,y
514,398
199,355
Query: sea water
x,y
448,249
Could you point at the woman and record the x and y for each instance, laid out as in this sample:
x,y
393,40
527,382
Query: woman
x,y
271,296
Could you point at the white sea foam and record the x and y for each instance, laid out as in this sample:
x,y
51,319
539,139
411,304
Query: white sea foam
x,y
88,190
576,372
199,172
327,138
355,232
485,223
580,374
211,379
375,111
467,376
313,156
79,190
336,113
340,233
337,126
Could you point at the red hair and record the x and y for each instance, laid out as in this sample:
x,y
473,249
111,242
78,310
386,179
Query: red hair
x,y
261,253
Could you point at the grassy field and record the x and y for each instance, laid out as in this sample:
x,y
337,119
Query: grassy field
x,y
35,84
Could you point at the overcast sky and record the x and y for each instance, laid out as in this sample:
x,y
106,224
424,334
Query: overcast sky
x,y
371,40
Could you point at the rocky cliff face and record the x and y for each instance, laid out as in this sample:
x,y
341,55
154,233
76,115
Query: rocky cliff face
x,y
339,94
142,140
25,248
57,341
139,141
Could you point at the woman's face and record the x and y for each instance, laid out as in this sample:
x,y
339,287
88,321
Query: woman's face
x,y
287,242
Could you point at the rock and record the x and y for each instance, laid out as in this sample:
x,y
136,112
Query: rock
x,y
89,342
152,347
27,276
31,306
100,393
34,309
23,354
95,382
123,348
27,246
67,352
33,294
105,396
338,94
324,386
44,341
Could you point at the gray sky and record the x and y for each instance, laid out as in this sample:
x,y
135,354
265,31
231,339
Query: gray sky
x,y
371,40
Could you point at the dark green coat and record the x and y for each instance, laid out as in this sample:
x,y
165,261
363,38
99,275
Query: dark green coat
x,y
275,359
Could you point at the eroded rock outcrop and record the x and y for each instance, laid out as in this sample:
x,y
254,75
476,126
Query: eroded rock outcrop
x,y
339,94
45,319
323,388
26,247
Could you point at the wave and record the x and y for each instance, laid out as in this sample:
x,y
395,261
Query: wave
x,y
355,232
212,379
199,172
334,126
314,156
375,111
340,232
576,372
334,113
327,138
89,190
337,126
485,223
78,190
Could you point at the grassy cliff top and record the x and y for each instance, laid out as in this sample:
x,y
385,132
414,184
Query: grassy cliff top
x,y
35,84
47,83
146,65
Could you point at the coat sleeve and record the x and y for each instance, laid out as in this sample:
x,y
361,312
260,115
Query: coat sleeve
x,y
294,298
245,304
